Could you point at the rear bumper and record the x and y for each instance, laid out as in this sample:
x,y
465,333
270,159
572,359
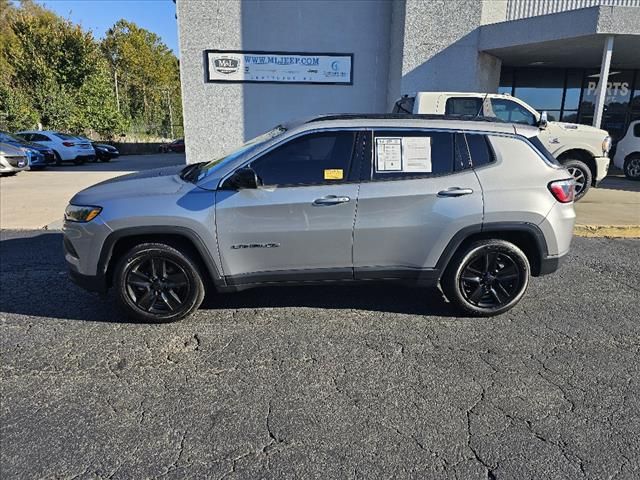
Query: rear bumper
x,y
550,264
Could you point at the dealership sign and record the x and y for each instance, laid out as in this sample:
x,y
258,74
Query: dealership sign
x,y
236,66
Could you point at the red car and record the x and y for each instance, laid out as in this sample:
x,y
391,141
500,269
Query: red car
x,y
175,146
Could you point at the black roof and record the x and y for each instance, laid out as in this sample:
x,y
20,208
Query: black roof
x,y
402,116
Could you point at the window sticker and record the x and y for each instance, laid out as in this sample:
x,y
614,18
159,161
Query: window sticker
x,y
389,154
403,154
333,174
416,154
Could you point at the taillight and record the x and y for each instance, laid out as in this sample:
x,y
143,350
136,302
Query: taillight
x,y
563,190
68,144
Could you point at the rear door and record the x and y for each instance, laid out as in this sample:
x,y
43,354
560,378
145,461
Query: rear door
x,y
418,191
299,224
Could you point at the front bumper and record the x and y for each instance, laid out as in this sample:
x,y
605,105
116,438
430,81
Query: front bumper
x,y
82,244
602,168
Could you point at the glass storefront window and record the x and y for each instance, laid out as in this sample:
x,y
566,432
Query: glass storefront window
x,y
540,88
544,89
506,81
574,88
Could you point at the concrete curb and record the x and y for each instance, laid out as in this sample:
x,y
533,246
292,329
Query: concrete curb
x,y
607,231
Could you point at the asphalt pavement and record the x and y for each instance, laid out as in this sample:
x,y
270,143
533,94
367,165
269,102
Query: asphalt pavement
x,y
322,382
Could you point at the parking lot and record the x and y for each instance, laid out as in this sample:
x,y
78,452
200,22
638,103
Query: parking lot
x,y
33,200
322,382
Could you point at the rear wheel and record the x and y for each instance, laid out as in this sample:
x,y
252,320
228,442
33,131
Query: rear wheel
x,y
158,283
581,173
488,278
632,167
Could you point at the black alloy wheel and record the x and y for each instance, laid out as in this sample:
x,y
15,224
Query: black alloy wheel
x,y
487,278
490,279
158,283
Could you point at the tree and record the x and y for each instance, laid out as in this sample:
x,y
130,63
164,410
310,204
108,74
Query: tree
x,y
147,75
55,71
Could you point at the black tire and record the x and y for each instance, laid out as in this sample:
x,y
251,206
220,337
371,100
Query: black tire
x,y
144,289
632,167
58,158
105,159
581,173
8,174
493,289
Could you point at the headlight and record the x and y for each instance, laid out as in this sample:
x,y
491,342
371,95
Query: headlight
x,y
81,213
606,144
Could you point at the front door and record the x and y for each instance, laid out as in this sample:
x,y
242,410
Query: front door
x,y
299,224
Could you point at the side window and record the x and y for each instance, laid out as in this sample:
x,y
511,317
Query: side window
x,y
463,106
26,136
510,111
636,130
313,159
481,153
414,154
38,137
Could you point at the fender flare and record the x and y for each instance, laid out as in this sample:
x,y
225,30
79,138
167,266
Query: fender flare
x,y
463,234
114,237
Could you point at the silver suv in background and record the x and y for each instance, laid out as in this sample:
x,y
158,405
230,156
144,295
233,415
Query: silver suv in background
x,y
474,206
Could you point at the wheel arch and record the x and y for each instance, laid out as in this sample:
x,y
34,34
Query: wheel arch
x,y
120,241
584,156
526,236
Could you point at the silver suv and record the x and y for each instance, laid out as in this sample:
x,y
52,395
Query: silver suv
x,y
474,206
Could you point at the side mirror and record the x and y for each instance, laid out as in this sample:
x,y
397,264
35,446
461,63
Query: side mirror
x,y
544,120
243,178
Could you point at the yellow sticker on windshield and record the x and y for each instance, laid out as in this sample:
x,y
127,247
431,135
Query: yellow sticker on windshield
x,y
333,174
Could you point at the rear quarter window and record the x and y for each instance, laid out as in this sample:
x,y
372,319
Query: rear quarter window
x,y
479,150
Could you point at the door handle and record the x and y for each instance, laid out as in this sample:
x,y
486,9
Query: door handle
x,y
330,200
455,192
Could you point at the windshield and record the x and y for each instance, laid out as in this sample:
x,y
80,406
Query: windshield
x,y
194,173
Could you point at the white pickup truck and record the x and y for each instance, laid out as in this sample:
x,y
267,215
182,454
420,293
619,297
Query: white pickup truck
x,y
582,149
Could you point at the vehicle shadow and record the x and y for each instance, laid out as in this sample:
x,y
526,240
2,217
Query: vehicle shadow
x,y
34,282
616,180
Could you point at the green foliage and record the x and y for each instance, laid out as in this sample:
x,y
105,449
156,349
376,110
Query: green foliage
x,y
55,74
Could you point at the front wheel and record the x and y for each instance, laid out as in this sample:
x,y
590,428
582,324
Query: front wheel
x,y
488,278
632,167
581,173
158,283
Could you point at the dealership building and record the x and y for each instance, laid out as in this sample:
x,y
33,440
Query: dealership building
x,y
249,65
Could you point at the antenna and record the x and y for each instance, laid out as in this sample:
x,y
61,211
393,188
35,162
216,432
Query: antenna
x,y
482,104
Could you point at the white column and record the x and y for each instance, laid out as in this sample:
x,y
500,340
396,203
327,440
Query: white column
x,y
601,92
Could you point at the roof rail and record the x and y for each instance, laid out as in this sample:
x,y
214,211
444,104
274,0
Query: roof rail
x,y
401,116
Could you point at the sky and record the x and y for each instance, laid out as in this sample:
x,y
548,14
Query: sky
x,y
98,16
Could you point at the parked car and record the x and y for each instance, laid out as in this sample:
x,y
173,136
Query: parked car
x,y
581,148
476,206
38,155
12,160
66,148
176,146
627,156
104,152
